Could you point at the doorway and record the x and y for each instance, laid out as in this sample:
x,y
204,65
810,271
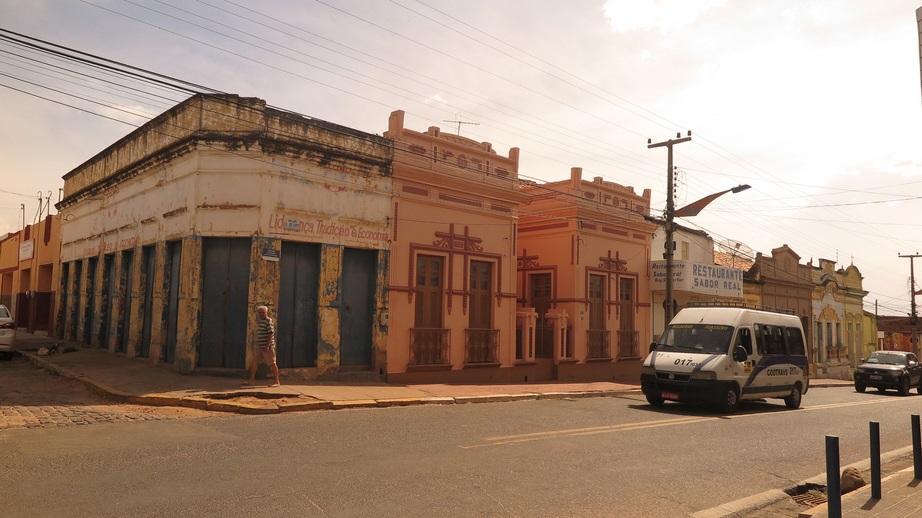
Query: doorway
x,y
297,310
225,286
358,307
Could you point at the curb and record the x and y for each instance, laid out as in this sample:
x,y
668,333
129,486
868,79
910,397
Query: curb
x,y
202,403
744,506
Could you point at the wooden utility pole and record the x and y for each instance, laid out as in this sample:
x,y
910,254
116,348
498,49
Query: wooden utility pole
x,y
913,317
669,248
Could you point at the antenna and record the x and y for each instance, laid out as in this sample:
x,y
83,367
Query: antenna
x,y
459,122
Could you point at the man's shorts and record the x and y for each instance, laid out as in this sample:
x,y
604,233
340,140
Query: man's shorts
x,y
266,354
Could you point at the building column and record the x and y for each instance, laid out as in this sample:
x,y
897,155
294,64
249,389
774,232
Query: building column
x,y
98,297
190,303
328,306
136,294
379,328
158,317
115,302
265,278
84,291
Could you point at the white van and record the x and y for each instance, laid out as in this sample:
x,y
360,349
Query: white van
x,y
723,355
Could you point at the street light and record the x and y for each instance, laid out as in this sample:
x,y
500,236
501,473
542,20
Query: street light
x,y
692,209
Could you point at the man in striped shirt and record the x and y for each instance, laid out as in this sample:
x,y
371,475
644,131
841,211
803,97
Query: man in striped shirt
x,y
264,350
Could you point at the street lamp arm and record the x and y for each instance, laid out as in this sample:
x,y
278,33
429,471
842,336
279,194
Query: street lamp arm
x,y
692,209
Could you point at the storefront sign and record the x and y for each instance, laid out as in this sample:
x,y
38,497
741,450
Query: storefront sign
x,y
326,230
26,249
708,279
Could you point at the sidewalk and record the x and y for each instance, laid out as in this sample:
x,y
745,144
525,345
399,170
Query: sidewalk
x,y
900,498
136,381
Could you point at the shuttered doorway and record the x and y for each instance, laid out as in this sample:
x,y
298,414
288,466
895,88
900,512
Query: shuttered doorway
x,y
358,296
296,319
225,285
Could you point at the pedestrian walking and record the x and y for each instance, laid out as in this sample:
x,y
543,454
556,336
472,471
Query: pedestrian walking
x,y
264,347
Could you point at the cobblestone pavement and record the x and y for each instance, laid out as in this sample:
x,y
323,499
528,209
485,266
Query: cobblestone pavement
x,y
33,398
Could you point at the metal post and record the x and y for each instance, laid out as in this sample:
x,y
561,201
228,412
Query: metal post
x,y
833,490
916,448
875,459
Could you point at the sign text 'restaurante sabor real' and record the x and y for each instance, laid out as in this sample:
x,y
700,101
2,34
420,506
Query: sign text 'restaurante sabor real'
x,y
699,278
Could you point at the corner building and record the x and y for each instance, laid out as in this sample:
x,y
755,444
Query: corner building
x,y
174,234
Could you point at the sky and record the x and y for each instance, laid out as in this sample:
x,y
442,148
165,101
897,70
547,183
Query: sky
x,y
815,104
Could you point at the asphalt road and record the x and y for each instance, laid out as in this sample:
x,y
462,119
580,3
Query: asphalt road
x,y
583,457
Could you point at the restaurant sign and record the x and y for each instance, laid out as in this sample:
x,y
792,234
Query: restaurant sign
x,y
706,279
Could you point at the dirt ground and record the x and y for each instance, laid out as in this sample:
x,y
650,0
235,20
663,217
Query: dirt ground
x,y
33,398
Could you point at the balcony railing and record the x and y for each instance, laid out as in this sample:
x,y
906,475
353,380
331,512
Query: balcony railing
x,y
429,346
599,344
481,345
628,342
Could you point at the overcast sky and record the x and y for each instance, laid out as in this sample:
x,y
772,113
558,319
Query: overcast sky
x,y
816,104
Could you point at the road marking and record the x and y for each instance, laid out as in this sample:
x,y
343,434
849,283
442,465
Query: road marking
x,y
645,425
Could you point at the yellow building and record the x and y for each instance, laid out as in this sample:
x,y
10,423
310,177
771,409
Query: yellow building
x,y
869,340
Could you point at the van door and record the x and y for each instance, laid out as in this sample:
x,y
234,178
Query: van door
x,y
794,338
742,370
770,375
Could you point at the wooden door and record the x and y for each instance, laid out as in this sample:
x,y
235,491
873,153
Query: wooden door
x,y
297,312
628,339
540,295
481,338
358,307
225,286
108,295
428,339
597,335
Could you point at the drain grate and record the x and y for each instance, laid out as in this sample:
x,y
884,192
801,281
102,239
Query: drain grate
x,y
809,495
811,499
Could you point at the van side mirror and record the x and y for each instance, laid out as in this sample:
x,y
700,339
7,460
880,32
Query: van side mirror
x,y
913,363
739,354
653,346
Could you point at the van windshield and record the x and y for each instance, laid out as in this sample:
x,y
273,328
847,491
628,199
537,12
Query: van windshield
x,y
697,338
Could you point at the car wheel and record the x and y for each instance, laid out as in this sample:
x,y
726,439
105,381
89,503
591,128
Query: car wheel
x,y
904,387
919,387
881,389
731,402
861,387
793,401
654,400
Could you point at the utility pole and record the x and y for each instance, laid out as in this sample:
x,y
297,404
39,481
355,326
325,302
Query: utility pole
x,y
22,207
913,317
669,247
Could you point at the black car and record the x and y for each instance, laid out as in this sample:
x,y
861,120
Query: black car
x,y
889,369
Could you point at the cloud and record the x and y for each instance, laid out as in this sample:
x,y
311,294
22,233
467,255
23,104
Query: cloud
x,y
660,15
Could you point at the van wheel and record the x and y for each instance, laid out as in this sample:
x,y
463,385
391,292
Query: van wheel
x,y
654,400
904,386
861,387
793,401
919,387
731,402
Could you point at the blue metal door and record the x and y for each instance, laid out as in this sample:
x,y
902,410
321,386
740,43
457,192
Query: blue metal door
x,y
225,286
296,322
357,311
